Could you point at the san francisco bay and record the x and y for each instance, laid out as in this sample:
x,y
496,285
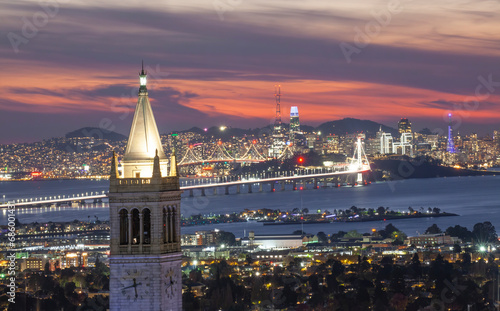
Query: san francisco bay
x,y
475,199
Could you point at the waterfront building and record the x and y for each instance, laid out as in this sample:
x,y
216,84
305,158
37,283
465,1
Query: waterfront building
x,y
145,253
274,241
432,239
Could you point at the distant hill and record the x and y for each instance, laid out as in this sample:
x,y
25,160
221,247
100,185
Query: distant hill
x,y
307,128
97,133
338,127
351,125
227,132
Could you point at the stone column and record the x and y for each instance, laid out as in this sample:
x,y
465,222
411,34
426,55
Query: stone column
x,y
174,224
171,222
141,231
167,225
129,215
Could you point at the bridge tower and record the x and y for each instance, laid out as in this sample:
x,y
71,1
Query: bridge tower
x,y
144,203
359,160
252,153
190,157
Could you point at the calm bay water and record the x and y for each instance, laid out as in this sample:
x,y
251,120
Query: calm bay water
x,y
475,199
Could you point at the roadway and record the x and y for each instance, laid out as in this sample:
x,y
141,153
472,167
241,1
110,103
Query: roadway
x,y
67,199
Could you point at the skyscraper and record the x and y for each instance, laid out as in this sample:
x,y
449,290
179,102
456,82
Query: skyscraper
x,y
294,124
404,126
294,120
144,203
385,141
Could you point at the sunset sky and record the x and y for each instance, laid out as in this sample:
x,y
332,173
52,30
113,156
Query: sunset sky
x,y
75,63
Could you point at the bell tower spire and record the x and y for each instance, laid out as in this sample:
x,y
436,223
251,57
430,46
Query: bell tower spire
x,y
143,80
144,138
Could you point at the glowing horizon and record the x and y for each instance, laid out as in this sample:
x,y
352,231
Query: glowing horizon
x,y
425,61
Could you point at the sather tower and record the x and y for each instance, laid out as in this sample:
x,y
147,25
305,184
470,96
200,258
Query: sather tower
x,y
145,259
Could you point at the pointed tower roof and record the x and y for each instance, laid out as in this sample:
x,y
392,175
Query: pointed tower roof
x,y
144,138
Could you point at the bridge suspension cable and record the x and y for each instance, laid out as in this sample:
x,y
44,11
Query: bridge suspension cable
x,y
359,160
286,154
220,153
189,157
253,154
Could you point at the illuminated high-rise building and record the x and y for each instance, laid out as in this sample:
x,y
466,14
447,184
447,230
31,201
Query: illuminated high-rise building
x,y
294,124
404,126
144,208
294,120
450,146
385,143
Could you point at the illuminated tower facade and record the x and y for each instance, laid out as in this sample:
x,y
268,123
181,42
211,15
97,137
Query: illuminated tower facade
x,y
144,203
294,121
450,146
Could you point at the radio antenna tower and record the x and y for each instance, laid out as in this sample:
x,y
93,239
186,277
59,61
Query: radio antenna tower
x,y
277,121
450,147
278,143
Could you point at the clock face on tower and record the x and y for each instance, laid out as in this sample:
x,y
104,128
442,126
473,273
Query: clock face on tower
x,y
135,285
170,280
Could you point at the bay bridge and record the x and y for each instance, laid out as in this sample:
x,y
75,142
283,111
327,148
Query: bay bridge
x,y
220,154
352,173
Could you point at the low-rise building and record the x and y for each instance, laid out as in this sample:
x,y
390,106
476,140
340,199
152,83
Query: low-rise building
x,y
432,239
272,241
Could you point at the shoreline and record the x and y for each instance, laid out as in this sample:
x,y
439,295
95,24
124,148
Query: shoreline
x,y
375,218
